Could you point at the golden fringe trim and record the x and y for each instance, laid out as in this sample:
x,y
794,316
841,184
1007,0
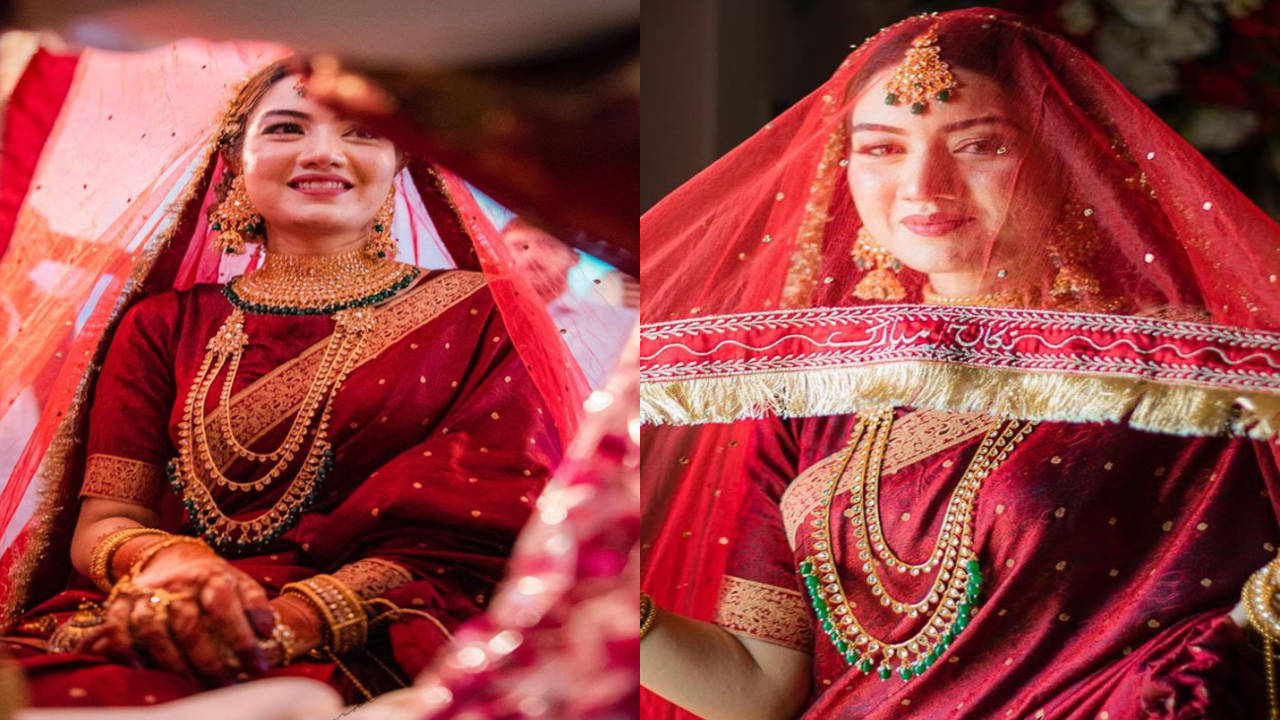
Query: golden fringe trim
x,y
1145,405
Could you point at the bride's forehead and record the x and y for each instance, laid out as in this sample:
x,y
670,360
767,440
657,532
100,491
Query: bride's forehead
x,y
283,96
974,94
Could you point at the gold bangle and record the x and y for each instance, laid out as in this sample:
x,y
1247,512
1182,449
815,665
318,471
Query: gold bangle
x,y
144,556
104,552
345,622
648,614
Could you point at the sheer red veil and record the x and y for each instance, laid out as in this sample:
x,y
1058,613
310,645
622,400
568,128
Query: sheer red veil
x,y
1130,282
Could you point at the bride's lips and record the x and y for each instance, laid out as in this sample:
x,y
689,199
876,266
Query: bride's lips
x,y
935,224
320,185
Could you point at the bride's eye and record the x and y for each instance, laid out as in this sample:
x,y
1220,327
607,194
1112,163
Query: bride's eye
x,y
362,132
283,128
880,149
983,146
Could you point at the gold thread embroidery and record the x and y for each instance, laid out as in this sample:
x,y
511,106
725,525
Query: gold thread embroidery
x,y
373,577
806,259
914,437
276,396
121,478
765,612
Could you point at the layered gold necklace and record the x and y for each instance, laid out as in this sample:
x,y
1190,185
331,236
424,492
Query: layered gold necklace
x,y
948,604
344,286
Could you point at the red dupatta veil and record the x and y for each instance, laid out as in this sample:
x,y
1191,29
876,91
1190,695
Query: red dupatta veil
x,y
116,210
1153,299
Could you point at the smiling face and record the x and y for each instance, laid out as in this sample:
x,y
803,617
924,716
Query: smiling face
x,y
311,173
953,192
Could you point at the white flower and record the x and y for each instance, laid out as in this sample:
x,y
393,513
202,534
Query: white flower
x,y
1078,17
1146,13
1218,129
1190,34
1240,8
1120,49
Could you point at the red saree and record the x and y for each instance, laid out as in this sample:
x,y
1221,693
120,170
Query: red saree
x,y
441,446
1110,558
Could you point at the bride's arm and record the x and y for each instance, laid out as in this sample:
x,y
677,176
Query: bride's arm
x,y
722,676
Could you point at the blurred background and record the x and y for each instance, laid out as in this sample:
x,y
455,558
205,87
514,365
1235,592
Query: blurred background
x,y
718,70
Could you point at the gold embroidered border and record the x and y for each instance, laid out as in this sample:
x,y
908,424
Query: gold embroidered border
x,y
373,577
922,433
277,395
914,437
121,478
765,612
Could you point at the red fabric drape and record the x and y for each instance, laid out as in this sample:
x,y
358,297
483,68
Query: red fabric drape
x,y
29,117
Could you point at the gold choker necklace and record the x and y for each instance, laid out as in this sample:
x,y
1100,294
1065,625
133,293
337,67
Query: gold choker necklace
x,y
1014,298
318,284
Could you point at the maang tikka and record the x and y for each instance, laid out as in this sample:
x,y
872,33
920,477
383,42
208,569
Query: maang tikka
x,y
881,280
234,218
922,75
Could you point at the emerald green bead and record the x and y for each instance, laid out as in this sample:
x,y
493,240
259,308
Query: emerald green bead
x,y
943,95
842,646
806,567
906,673
865,665
918,668
891,99
378,227
917,108
215,226
961,623
827,627
852,655
885,672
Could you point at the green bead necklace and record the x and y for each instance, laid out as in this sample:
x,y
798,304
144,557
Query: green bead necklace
x,y
950,602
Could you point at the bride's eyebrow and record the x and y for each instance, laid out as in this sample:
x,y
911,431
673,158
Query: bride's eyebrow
x,y
287,113
878,128
984,120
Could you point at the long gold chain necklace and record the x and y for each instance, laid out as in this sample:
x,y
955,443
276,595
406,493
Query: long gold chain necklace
x,y
958,584
285,285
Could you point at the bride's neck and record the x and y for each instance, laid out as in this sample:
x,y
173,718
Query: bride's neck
x,y
1026,272
283,242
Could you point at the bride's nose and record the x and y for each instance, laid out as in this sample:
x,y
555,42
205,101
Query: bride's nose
x,y
322,148
929,174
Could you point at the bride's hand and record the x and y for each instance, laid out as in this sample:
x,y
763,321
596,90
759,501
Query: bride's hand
x,y
190,612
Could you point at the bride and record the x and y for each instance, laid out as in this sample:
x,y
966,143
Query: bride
x,y
998,318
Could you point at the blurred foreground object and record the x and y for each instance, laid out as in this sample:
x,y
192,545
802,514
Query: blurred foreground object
x,y
534,101
560,639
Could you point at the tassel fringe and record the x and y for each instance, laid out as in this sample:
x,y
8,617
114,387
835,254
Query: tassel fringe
x,y
1144,405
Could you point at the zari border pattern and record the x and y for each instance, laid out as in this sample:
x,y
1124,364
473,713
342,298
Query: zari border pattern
x,y
914,437
764,612
1164,375
125,479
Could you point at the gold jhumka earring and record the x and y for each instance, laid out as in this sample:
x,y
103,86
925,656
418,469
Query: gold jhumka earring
x,y
922,75
382,244
234,218
881,281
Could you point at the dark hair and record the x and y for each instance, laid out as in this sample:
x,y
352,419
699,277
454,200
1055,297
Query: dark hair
x,y
236,117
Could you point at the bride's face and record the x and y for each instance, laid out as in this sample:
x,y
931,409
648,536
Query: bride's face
x,y
308,170
957,189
